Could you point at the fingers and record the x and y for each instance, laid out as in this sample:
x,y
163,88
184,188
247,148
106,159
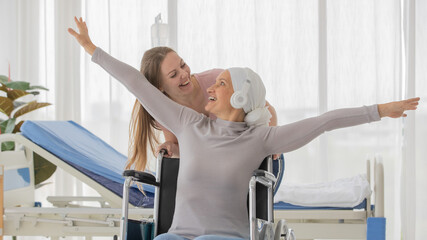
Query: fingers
x,y
80,24
166,147
412,101
72,32
411,104
416,99
77,22
397,109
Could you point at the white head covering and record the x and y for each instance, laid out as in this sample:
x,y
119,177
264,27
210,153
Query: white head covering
x,y
257,113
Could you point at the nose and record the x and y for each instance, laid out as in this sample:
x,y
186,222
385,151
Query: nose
x,y
210,89
184,74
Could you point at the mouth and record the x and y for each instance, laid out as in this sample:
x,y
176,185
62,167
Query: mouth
x,y
212,98
184,83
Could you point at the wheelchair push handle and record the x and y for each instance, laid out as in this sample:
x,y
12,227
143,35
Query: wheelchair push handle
x,y
144,177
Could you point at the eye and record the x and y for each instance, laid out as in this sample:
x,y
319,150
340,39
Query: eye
x,y
222,83
173,75
183,65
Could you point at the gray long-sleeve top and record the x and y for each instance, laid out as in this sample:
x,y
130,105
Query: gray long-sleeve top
x,y
218,156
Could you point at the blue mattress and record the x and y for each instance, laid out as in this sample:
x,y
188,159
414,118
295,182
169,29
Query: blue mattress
x,y
87,153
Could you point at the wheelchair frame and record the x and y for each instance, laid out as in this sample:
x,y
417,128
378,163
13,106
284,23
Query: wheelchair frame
x,y
263,177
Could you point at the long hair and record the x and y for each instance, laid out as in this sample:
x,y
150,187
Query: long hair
x,y
142,125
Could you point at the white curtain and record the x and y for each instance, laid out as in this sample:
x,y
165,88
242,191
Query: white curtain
x,y
361,61
420,88
123,30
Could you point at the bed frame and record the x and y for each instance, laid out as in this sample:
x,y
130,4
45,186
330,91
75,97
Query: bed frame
x,y
65,218
340,224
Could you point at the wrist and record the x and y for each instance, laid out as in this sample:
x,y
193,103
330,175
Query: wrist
x,y
90,48
381,110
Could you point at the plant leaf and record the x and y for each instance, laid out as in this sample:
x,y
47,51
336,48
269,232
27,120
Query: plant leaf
x,y
43,169
38,87
2,112
3,126
8,125
16,93
6,105
18,127
4,79
3,88
18,85
8,146
34,92
31,106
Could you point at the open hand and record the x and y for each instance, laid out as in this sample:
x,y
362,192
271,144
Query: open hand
x,y
397,109
82,36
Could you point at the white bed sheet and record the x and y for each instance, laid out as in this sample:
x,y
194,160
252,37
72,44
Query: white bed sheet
x,y
345,192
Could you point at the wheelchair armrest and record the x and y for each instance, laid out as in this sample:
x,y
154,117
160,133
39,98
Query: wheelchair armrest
x,y
265,175
143,177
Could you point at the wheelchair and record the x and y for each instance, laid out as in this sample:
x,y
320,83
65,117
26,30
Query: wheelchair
x,y
260,200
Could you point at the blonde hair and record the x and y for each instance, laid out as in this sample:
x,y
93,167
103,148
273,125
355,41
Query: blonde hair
x,y
142,127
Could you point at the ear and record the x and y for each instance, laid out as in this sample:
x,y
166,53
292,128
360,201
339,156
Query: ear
x,y
161,89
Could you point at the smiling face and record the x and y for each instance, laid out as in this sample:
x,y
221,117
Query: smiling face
x,y
219,96
175,77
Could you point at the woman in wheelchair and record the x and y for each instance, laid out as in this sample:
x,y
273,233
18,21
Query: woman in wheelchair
x,y
212,204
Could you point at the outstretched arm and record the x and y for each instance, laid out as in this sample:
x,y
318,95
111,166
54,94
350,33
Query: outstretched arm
x,y
295,135
163,109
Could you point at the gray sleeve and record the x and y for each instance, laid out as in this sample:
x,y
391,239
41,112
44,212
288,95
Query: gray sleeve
x,y
167,112
292,136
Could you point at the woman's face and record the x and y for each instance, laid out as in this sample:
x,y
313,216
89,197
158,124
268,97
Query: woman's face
x,y
219,96
175,77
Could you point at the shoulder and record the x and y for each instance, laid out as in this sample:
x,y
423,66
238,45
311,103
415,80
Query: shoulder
x,y
207,78
209,74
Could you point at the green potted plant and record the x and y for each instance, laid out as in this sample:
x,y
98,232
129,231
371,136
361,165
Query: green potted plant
x,y
16,99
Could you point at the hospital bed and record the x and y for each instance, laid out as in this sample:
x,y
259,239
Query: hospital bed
x,y
364,221
84,156
92,161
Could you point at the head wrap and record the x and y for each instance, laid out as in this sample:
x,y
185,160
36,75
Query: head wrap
x,y
257,113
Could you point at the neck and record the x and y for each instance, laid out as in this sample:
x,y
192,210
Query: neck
x,y
196,100
235,115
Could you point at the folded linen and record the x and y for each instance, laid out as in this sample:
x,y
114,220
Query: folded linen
x,y
346,192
